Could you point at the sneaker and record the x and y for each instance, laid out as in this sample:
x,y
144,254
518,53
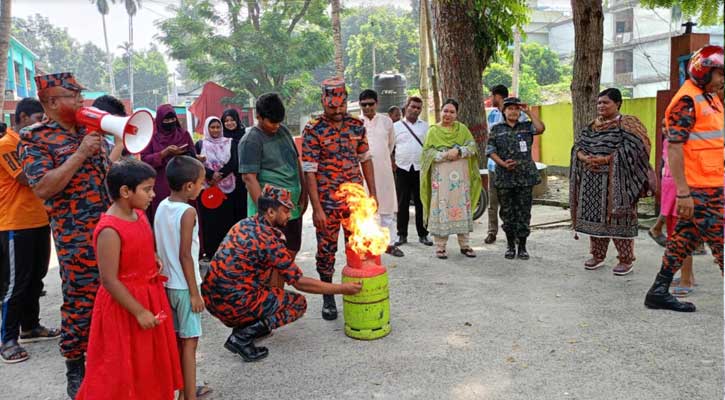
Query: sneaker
x,y
622,269
394,251
39,333
593,263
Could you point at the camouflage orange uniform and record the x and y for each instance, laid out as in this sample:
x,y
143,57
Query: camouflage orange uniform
x,y
334,155
74,213
236,288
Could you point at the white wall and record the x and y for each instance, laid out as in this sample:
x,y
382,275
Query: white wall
x,y
561,39
651,22
607,67
659,53
649,89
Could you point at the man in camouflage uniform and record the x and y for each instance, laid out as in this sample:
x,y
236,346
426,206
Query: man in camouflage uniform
x,y
694,121
334,148
237,288
66,167
509,146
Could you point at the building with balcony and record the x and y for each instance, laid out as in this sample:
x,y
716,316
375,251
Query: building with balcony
x,y
21,70
636,56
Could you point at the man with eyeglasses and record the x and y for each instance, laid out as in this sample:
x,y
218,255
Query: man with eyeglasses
x,y
381,138
66,167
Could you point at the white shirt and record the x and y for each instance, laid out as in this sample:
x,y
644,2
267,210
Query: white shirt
x,y
381,139
167,230
407,149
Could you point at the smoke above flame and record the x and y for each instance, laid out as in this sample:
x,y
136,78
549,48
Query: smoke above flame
x,y
367,237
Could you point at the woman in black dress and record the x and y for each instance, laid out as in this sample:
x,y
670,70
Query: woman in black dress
x,y
234,129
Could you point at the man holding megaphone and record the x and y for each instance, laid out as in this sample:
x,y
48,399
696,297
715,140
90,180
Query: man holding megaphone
x,y
66,166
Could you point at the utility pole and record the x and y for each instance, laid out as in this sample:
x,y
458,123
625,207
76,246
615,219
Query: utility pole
x,y
517,62
130,61
374,66
423,61
432,68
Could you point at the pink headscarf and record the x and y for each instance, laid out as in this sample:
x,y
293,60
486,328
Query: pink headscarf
x,y
218,153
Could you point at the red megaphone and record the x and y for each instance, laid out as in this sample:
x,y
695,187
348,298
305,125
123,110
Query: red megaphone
x,y
136,130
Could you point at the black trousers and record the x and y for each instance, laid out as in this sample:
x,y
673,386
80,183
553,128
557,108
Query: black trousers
x,y
24,258
407,187
515,212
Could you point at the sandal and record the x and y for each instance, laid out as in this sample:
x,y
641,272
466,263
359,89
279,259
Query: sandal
x,y
38,333
659,239
203,390
468,252
12,353
441,254
682,291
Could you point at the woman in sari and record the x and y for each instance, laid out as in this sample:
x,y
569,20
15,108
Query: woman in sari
x,y
169,140
220,163
450,184
609,167
234,129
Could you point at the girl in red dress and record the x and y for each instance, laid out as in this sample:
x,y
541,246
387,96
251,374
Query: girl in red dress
x,y
132,350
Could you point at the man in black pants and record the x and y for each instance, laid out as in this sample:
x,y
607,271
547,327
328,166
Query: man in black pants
x,y
24,245
409,138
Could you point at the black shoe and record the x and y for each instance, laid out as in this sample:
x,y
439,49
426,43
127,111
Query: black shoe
x,y
491,238
394,251
659,297
329,308
510,247
424,240
401,240
75,371
241,342
522,254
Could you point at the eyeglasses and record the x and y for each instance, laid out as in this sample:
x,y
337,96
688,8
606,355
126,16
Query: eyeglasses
x,y
367,104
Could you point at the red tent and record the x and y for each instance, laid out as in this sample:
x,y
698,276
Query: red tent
x,y
212,101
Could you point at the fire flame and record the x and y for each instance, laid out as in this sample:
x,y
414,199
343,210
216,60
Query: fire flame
x,y
367,237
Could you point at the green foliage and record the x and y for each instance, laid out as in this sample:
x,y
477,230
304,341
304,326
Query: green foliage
x,y
394,34
251,47
58,51
496,21
543,61
150,77
707,12
500,74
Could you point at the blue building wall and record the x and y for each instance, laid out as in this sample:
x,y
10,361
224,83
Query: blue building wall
x,y
21,70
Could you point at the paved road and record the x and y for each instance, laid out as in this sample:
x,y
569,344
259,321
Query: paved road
x,y
484,328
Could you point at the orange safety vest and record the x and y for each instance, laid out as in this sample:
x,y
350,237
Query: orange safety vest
x,y
703,151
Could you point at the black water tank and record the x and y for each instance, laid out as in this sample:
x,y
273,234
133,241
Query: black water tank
x,y
391,88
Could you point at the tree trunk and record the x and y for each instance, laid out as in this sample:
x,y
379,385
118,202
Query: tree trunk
x,y
130,61
461,68
5,23
109,59
337,38
423,60
588,47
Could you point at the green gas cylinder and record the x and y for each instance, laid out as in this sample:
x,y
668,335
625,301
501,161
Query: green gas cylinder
x,y
367,314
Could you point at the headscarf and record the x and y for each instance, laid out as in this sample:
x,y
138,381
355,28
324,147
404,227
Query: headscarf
x,y
235,134
443,139
217,152
164,138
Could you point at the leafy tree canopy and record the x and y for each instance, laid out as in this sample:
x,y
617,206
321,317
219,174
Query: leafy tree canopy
x,y
58,51
707,12
150,77
543,61
251,47
500,74
394,33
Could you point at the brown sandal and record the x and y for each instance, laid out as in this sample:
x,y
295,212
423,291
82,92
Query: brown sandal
x,y
12,353
468,252
441,254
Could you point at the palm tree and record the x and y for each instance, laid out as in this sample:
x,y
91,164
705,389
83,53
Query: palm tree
x,y
5,23
102,6
132,7
337,38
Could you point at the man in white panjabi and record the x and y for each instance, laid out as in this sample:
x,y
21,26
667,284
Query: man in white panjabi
x,y
381,139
